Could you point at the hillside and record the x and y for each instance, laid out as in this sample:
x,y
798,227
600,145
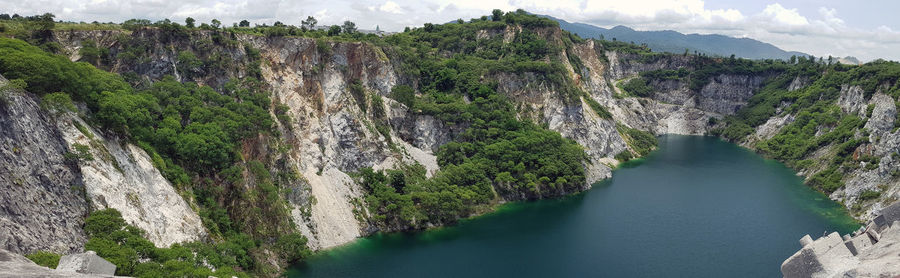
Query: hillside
x,y
248,147
675,42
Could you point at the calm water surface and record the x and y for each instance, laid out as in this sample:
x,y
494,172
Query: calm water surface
x,y
697,207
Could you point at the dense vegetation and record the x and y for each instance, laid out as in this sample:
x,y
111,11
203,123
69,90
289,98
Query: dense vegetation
x,y
43,258
125,246
497,155
819,122
640,142
193,134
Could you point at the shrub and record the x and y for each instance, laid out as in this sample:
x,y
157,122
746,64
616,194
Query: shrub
x,y
624,155
57,103
125,246
44,258
869,195
599,109
359,94
404,94
638,87
81,153
640,141
293,247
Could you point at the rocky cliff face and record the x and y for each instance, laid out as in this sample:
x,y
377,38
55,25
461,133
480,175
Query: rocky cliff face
x,y
122,176
884,141
42,202
879,112
330,136
49,189
332,132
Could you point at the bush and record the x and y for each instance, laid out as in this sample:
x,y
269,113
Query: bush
x,y
869,195
599,109
125,246
46,73
57,103
640,141
293,247
81,153
638,87
44,258
624,155
359,94
404,94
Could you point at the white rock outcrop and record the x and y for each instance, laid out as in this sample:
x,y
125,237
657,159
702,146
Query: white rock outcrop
x,y
122,176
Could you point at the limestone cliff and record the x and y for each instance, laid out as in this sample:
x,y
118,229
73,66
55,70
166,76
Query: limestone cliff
x,y
324,87
42,204
122,176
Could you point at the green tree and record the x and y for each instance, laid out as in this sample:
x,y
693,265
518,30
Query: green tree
x,y
293,247
134,24
349,27
57,103
244,23
189,22
334,30
309,24
216,23
496,15
404,94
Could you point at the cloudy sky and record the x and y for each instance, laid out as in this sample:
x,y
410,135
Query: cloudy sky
x,y
866,29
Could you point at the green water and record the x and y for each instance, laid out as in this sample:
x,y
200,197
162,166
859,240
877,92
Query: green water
x,y
697,207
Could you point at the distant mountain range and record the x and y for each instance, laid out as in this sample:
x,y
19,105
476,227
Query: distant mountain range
x,y
675,42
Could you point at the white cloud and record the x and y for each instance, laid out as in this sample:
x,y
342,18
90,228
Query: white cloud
x,y
784,16
391,7
821,34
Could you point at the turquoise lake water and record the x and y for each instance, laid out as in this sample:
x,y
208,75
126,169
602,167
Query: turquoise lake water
x,y
697,207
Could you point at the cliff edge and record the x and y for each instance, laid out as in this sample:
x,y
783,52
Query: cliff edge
x,y
872,251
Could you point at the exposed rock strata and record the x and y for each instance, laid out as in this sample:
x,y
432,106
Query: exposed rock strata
x,y
330,136
42,206
122,176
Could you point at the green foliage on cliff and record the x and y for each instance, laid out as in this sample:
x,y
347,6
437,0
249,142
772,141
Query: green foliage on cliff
x,y
817,120
497,155
640,141
193,134
597,107
43,258
125,246
46,73
57,103
638,87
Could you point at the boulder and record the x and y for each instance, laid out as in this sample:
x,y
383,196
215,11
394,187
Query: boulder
x,y
823,257
870,252
87,263
15,265
887,216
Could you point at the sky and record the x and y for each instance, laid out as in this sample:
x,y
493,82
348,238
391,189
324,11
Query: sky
x,y
866,29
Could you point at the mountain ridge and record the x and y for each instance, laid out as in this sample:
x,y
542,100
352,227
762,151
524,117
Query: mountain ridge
x,y
677,42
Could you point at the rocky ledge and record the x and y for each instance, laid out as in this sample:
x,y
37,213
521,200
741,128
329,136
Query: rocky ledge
x,y
82,265
872,251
